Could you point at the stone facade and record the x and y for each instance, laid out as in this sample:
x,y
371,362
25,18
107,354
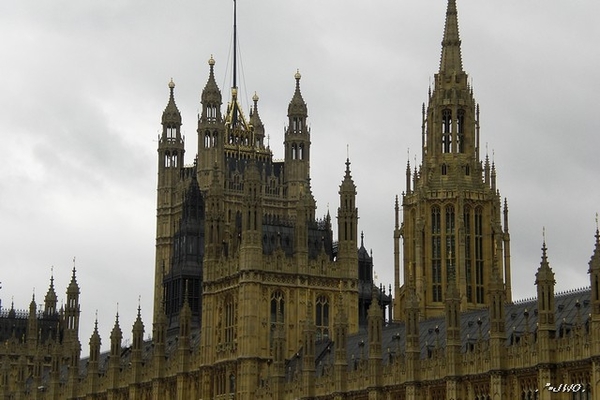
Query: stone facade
x,y
254,299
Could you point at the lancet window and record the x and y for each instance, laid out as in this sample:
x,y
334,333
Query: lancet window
x,y
446,131
436,254
479,273
322,317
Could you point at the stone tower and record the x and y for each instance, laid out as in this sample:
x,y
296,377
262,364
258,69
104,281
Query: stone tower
x,y
171,150
240,254
270,268
452,210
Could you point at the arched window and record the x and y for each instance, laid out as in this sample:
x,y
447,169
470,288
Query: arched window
x,y
171,132
229,322
231,383
294,151
468,257
460,127
277,311
444,169
479,277
301,151
446,131
450,239
322,317
436,254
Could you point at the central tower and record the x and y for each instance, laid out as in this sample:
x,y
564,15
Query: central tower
x,y
452,210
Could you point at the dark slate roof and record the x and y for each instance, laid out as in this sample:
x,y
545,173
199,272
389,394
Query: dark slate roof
x,y
567,315
572,308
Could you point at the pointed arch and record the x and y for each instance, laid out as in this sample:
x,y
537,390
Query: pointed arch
x,y
322,317
446,130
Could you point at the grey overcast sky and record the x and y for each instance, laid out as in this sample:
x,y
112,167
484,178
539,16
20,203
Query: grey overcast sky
x,y
85,83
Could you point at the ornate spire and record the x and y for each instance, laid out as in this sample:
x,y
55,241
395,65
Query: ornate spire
x,y
297,105
451,60
348,182
171,114
255,121
115,338
95,341
595,261
211,95
51,299
73,286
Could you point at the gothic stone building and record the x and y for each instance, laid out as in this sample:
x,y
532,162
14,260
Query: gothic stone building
x,y
254,299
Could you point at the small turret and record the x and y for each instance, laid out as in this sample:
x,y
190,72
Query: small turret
x,y
544,279
257,124
594,272
32,325
72,311
347,218
116,336
51,300
297,144
211,98
93,366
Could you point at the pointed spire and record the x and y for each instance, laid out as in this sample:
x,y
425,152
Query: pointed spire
x,y
171,114
73,286
544,274
348,182
451,59
297,105
138,325
115,338
32,305
255,120
211,95
95,341
595,260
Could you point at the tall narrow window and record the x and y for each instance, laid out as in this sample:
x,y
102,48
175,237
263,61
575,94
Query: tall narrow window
x,y
277,312
436,254
171,132
468,258
446,131
322,317
460,127
479,278
450,240
229,320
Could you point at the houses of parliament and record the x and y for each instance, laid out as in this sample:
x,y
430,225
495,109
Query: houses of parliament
x,y
254,297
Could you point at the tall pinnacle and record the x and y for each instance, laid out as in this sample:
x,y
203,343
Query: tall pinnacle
x,y
451,60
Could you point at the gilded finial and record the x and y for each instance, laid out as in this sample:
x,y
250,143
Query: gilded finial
x,y
211,61
297,75
171,84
